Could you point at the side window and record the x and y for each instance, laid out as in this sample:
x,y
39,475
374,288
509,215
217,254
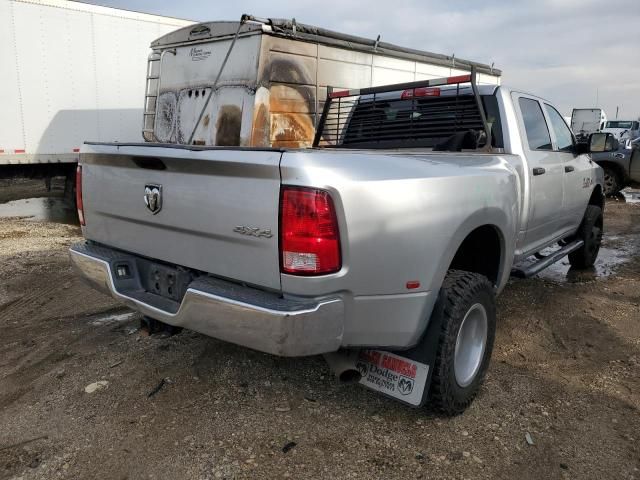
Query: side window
x,y
493,119
534,124
562,132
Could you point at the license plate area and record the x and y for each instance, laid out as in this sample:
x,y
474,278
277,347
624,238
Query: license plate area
x,y
167,282
401,378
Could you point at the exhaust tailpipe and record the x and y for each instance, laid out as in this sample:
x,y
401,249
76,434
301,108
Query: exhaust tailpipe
x,y
343,365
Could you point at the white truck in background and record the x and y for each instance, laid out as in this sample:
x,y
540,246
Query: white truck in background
x,y
70,72
625,131
585,121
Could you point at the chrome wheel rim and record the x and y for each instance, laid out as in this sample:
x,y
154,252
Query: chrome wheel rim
x,y
471,343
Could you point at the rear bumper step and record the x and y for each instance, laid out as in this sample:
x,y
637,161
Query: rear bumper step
x,y
238,314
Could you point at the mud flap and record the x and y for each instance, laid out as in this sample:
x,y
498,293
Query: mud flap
x,y
404,375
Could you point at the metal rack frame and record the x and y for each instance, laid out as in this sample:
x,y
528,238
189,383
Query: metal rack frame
x,y
353,96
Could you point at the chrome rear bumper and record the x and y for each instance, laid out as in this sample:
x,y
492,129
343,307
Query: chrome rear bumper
x,y
237,314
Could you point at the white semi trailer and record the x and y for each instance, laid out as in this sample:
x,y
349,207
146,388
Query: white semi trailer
x,y
69,72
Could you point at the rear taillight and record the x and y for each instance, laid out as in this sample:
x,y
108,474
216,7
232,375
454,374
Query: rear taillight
x,y
309,236
79,195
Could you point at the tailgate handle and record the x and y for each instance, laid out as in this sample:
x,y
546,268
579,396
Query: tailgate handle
x,y
538,171
569,169
150,163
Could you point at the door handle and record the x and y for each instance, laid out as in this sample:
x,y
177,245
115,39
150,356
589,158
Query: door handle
x,y
538,171
569,169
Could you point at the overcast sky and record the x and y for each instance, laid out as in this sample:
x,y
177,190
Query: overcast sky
x,y
576,53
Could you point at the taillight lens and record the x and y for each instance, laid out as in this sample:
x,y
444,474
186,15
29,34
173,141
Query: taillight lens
x,y
309,236
79,195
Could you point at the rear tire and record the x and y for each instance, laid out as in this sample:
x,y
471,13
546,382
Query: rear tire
x,y
590,231
466,341
612,182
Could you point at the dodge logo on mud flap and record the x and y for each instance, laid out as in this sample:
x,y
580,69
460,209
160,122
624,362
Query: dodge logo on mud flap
x,y
153,197
362,368
405,386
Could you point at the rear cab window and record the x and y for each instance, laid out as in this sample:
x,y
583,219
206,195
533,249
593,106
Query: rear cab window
x,y
429,121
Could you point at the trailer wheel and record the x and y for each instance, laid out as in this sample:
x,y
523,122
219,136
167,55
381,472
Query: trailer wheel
x,y
466,341
612,182
590,231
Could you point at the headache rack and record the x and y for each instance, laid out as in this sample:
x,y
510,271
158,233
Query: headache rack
x,y
406,115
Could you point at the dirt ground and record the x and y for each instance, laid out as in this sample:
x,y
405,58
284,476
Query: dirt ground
x,y
565,375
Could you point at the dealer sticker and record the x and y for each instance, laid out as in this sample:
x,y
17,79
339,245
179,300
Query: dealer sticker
x,y
393,375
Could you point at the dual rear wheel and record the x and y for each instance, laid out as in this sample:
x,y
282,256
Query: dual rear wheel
x,y
466,340
469,324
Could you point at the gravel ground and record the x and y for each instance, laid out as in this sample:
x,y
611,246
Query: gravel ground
x,y
565,375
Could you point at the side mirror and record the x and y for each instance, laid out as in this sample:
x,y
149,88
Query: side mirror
x,y
602,142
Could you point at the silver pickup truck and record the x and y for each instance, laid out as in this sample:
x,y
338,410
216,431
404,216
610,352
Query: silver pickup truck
x,y
383,247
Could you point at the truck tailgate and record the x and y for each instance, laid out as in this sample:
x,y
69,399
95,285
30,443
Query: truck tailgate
x,y
218,208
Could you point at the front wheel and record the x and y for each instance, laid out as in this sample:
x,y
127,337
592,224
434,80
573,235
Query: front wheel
x,y
612,182
590,232
466,340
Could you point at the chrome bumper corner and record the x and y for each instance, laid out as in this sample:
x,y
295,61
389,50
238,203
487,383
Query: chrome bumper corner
x,y
273,325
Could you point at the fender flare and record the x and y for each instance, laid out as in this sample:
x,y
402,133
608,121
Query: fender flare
x,y
504,226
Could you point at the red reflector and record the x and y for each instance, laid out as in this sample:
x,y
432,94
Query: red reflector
x,y
459,79
420,92
79,195
76,150
1,151
19,151
413,284
340,93
309,236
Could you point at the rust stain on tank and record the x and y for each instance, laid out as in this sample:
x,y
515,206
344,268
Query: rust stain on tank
x,y
291,129
260,127
206,120
291,116
228,126
292,98
286,118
